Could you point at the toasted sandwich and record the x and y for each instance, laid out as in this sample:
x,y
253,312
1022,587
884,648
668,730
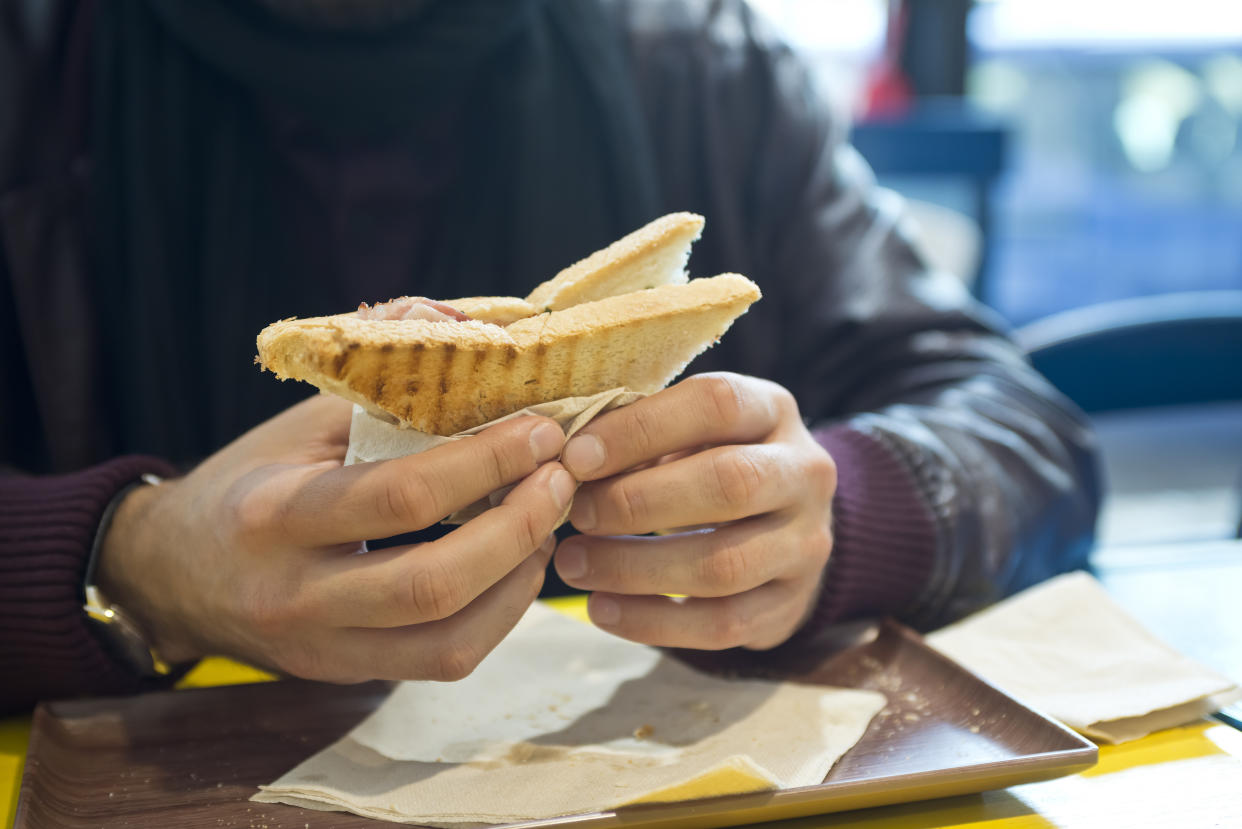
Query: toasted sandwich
x,y
626,316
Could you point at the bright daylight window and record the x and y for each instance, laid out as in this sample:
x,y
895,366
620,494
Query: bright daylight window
x,y
1124,172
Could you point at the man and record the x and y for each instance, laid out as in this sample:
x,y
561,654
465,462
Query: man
x,y
246,160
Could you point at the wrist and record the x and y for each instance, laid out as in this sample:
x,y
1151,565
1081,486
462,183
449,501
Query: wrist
x,y
129,572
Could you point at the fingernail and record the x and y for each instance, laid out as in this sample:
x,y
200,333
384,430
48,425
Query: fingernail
x,y
546,441
571,561
583,514
604,611
562,486
583,455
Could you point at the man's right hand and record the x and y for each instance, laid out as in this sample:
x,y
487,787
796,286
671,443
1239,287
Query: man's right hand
x,y
256,554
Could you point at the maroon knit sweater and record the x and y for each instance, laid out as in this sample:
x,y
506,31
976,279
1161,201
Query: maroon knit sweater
x,y
884,538
47,525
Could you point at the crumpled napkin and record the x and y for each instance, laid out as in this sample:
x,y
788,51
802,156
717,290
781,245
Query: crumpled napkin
x,y
374,439
561,719
1065,648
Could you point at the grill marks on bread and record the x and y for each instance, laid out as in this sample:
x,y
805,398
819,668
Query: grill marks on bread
x,y
443,377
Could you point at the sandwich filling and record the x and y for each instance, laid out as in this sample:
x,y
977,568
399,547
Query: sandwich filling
x,y
411,308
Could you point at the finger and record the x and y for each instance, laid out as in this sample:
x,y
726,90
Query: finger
x,y
411,585
706,563
759,618
708,409
445,650
711,487
386,498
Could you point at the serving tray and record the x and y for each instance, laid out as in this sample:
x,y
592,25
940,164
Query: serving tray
x,y
193,758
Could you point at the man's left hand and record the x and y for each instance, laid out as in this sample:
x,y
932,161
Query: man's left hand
x,y
722,466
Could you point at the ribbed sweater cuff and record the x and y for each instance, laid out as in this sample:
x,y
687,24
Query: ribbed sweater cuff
x,y
884,533
47,525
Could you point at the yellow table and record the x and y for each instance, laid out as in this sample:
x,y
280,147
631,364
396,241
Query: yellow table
x,y
1183,777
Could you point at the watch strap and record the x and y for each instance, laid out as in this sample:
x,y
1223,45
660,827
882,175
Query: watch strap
x,y
122,633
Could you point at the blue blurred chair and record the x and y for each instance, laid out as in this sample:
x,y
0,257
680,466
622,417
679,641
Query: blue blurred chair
x,y
1167,350
1171,349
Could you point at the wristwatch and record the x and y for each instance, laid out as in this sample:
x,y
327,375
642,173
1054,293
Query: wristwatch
x,y
123,636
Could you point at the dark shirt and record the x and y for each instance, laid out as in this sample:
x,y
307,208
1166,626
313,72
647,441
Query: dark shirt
x,y
358,215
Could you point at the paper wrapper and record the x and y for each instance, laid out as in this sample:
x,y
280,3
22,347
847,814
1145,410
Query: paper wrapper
x,y
1066,648
564,719
373,439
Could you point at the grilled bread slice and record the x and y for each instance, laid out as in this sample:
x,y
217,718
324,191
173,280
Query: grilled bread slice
x,y
651,256
626,316
443,377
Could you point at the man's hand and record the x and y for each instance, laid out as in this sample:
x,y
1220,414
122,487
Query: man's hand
x,y
724,466
257,552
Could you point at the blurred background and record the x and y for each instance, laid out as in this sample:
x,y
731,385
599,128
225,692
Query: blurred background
x,y
1079,164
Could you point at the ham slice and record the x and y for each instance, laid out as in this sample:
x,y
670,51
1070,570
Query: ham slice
x,y
411,308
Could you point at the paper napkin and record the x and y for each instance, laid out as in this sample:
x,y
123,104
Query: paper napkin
x,y
1065,648
564,719
374,439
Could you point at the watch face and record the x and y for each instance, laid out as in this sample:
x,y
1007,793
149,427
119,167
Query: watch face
x,y
120,637
130,652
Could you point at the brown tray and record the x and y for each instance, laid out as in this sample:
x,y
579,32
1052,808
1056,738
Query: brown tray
x,y
193,758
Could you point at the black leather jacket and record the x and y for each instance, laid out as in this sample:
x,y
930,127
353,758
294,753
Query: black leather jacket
x,y
853,320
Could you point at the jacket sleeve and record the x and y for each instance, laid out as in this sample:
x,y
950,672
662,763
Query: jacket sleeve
x,y
907,378
963,474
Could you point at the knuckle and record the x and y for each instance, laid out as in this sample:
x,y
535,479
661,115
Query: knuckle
x,y
737,478
434,591
535,580
783,399
630,504
411,501
284,517
821,474
729,626
723,398
533,528
499,465
643,436
724,569
819,544
529,526
820,541
250,515
454,661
